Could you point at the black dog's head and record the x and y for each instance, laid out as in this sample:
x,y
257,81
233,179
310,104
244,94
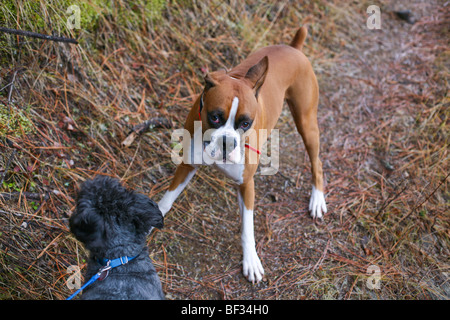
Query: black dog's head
x,y
108,215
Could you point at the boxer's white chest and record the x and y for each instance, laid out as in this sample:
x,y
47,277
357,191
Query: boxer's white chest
x,y
234,171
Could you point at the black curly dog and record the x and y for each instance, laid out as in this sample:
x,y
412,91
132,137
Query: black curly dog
x,y
113,222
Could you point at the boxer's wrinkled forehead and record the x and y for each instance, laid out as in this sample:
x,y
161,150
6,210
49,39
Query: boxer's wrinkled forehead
x,y
226,103
231,114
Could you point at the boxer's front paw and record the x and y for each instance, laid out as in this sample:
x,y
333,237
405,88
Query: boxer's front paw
x,y
252,267
317,204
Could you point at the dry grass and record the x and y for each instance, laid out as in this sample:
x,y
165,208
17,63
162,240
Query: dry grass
x,y
384,116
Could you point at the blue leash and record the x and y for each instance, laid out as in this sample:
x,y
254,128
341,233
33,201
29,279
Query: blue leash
x,y
103,272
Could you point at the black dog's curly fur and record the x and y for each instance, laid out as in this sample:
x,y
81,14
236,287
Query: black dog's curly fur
x,y
113,222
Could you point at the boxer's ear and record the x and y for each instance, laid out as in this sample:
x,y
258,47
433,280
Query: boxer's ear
x,y
257,74
209,82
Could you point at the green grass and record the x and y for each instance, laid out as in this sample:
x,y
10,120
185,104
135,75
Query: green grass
x,y
14,121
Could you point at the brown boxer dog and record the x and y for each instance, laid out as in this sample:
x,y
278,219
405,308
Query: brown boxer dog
x,y
237,104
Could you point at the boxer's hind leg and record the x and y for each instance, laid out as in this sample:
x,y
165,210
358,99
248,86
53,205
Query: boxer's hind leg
x,y
303,100
183,175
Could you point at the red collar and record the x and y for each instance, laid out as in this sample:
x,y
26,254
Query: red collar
x,y
200,118
253,149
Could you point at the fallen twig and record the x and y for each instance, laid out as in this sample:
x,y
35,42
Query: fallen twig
x,y
38,35
137,130
388,201
426,199
28,195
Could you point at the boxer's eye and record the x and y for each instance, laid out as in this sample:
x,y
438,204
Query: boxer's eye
x,y
215,119
245,125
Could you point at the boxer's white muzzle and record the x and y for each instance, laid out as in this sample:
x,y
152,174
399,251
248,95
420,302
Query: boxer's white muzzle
x,y
224,148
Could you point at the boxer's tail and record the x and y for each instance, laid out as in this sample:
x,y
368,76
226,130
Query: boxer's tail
x,y
299,38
